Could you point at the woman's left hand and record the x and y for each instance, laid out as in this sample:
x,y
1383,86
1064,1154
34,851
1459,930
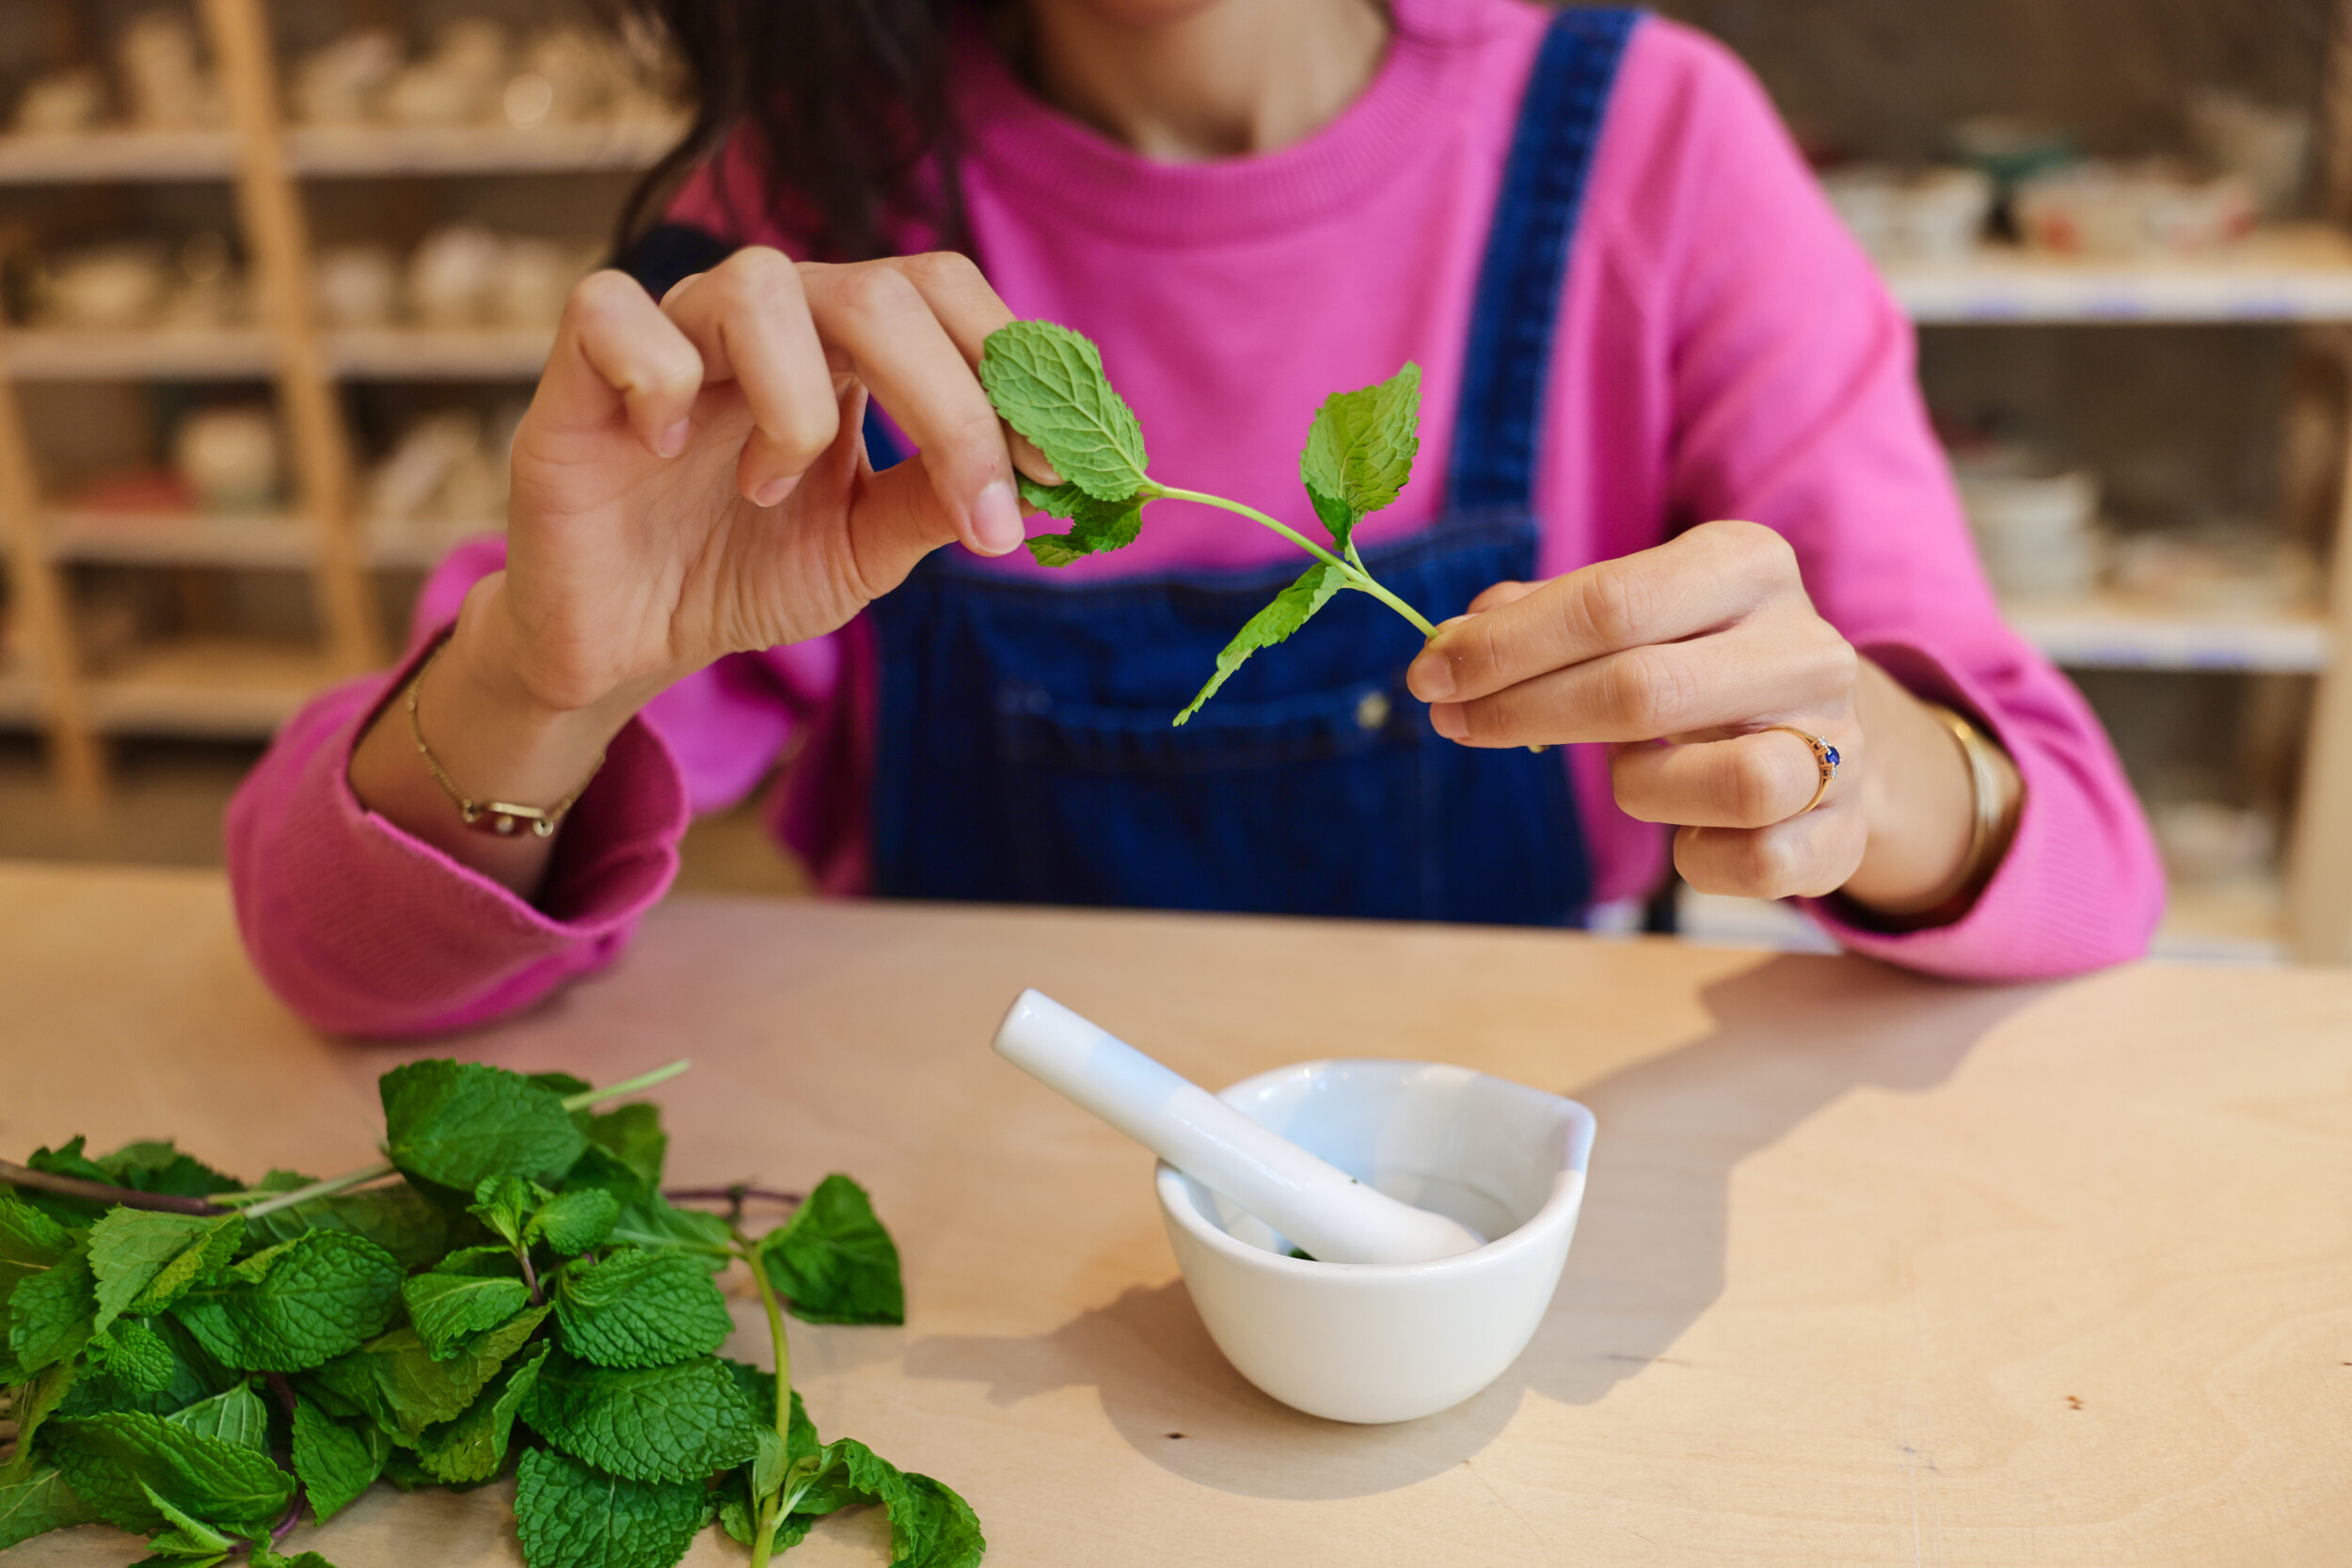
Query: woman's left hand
x,y
1684,656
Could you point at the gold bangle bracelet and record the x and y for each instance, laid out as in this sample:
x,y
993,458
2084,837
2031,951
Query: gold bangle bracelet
x,y
499,818
1995,812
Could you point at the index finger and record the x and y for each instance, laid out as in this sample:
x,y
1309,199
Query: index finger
x,y
1702,581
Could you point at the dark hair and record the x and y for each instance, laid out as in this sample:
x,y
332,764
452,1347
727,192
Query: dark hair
x,y
844,105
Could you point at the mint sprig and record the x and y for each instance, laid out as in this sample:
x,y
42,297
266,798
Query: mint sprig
x,y
206,1363
1047,382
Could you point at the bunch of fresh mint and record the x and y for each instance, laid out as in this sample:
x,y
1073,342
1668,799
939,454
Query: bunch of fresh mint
x,y
1047,382
205,1363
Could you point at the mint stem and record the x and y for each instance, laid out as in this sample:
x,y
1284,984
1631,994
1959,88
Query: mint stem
x,y
100,1192
1352,568
662,1074
770,1515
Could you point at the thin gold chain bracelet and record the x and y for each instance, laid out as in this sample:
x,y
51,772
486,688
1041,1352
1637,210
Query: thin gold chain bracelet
x,y
499,817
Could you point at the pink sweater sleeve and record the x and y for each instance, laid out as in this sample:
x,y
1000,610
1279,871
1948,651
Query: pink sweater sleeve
x,y
1792,373
363,929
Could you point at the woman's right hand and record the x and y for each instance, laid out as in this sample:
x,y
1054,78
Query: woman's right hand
x,y
691,482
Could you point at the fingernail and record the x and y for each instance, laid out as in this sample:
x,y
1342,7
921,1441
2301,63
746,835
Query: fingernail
x,y
672,441
996,519
773,492
1430,676
1449,720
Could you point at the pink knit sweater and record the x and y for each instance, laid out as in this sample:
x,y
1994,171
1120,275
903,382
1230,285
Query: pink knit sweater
x,y
1724,351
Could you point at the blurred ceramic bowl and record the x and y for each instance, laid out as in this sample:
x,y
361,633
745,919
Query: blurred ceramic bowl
x,y
108,288
358,285
2205,842
61,103
452,276
229,457
1390,1342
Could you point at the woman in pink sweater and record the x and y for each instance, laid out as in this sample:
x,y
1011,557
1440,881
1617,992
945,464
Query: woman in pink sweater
x,y
1633,314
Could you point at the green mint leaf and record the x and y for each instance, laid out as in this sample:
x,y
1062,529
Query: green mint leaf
x,y
37,1505
51,1315
641,1308
336,1462
931,1526
655,1223
237,1417
188,1537
160,1167
1095,524
31,1242
759,1387
394,1378
471,1449
103,1387
632,1134
266,1556
655,1423
834,1259
32,1403
572,1223
111,1460
132,1354
570,1516
407,1473
1359,450
1047,382
397,1218
504,1204
1286,614
297,1306
455,1123
450,1309
144,1261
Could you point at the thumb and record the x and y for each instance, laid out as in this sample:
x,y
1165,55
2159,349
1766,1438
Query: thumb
x,y
895,517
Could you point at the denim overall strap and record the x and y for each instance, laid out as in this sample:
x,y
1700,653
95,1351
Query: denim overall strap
x,y
1505,366
1024,747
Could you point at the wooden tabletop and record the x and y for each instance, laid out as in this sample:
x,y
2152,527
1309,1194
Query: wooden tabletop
x,y
1872,1270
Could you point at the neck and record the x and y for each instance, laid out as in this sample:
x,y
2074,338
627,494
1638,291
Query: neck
x,y
1216,79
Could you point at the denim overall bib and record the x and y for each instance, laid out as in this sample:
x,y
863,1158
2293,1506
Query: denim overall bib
x,y
1025,749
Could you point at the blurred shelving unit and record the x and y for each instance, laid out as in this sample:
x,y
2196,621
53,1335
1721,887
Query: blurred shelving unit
x,y
2296,275
226,688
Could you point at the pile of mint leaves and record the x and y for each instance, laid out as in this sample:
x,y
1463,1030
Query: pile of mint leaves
x,y
1048,382
210,1365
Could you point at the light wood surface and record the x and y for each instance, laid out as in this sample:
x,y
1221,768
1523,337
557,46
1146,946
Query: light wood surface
x,y
1872,1271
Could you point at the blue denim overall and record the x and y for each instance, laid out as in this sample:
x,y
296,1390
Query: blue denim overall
x,y
1025,749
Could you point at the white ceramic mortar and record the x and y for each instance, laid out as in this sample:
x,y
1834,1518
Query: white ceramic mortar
x,y
1391,1341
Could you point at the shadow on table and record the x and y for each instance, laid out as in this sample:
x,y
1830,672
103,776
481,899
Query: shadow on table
x,y
1792,1035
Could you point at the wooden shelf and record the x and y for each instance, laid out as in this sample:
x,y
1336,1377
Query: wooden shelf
x,y
180,539
20,699
116,154
50,354
348,151
2223,923
2295,273
215,688
421,546
2115,634
398,354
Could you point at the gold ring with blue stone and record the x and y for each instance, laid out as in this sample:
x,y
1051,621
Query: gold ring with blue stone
x,y
1825,758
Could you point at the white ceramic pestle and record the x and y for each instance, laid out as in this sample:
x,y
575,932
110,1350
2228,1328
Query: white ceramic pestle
x,y
1326,1213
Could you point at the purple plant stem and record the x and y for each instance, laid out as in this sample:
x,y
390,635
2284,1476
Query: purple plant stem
x,y
732,1194
530,1275
100,1192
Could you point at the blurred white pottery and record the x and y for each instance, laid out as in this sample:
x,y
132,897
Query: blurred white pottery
x,y
340,83
2266,148
409,483
535,277
452,273
229,457
108,288
1935,214
60,104
580,72
2036,529
2206,842
164,84
358,285
2106,210
1390,1342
